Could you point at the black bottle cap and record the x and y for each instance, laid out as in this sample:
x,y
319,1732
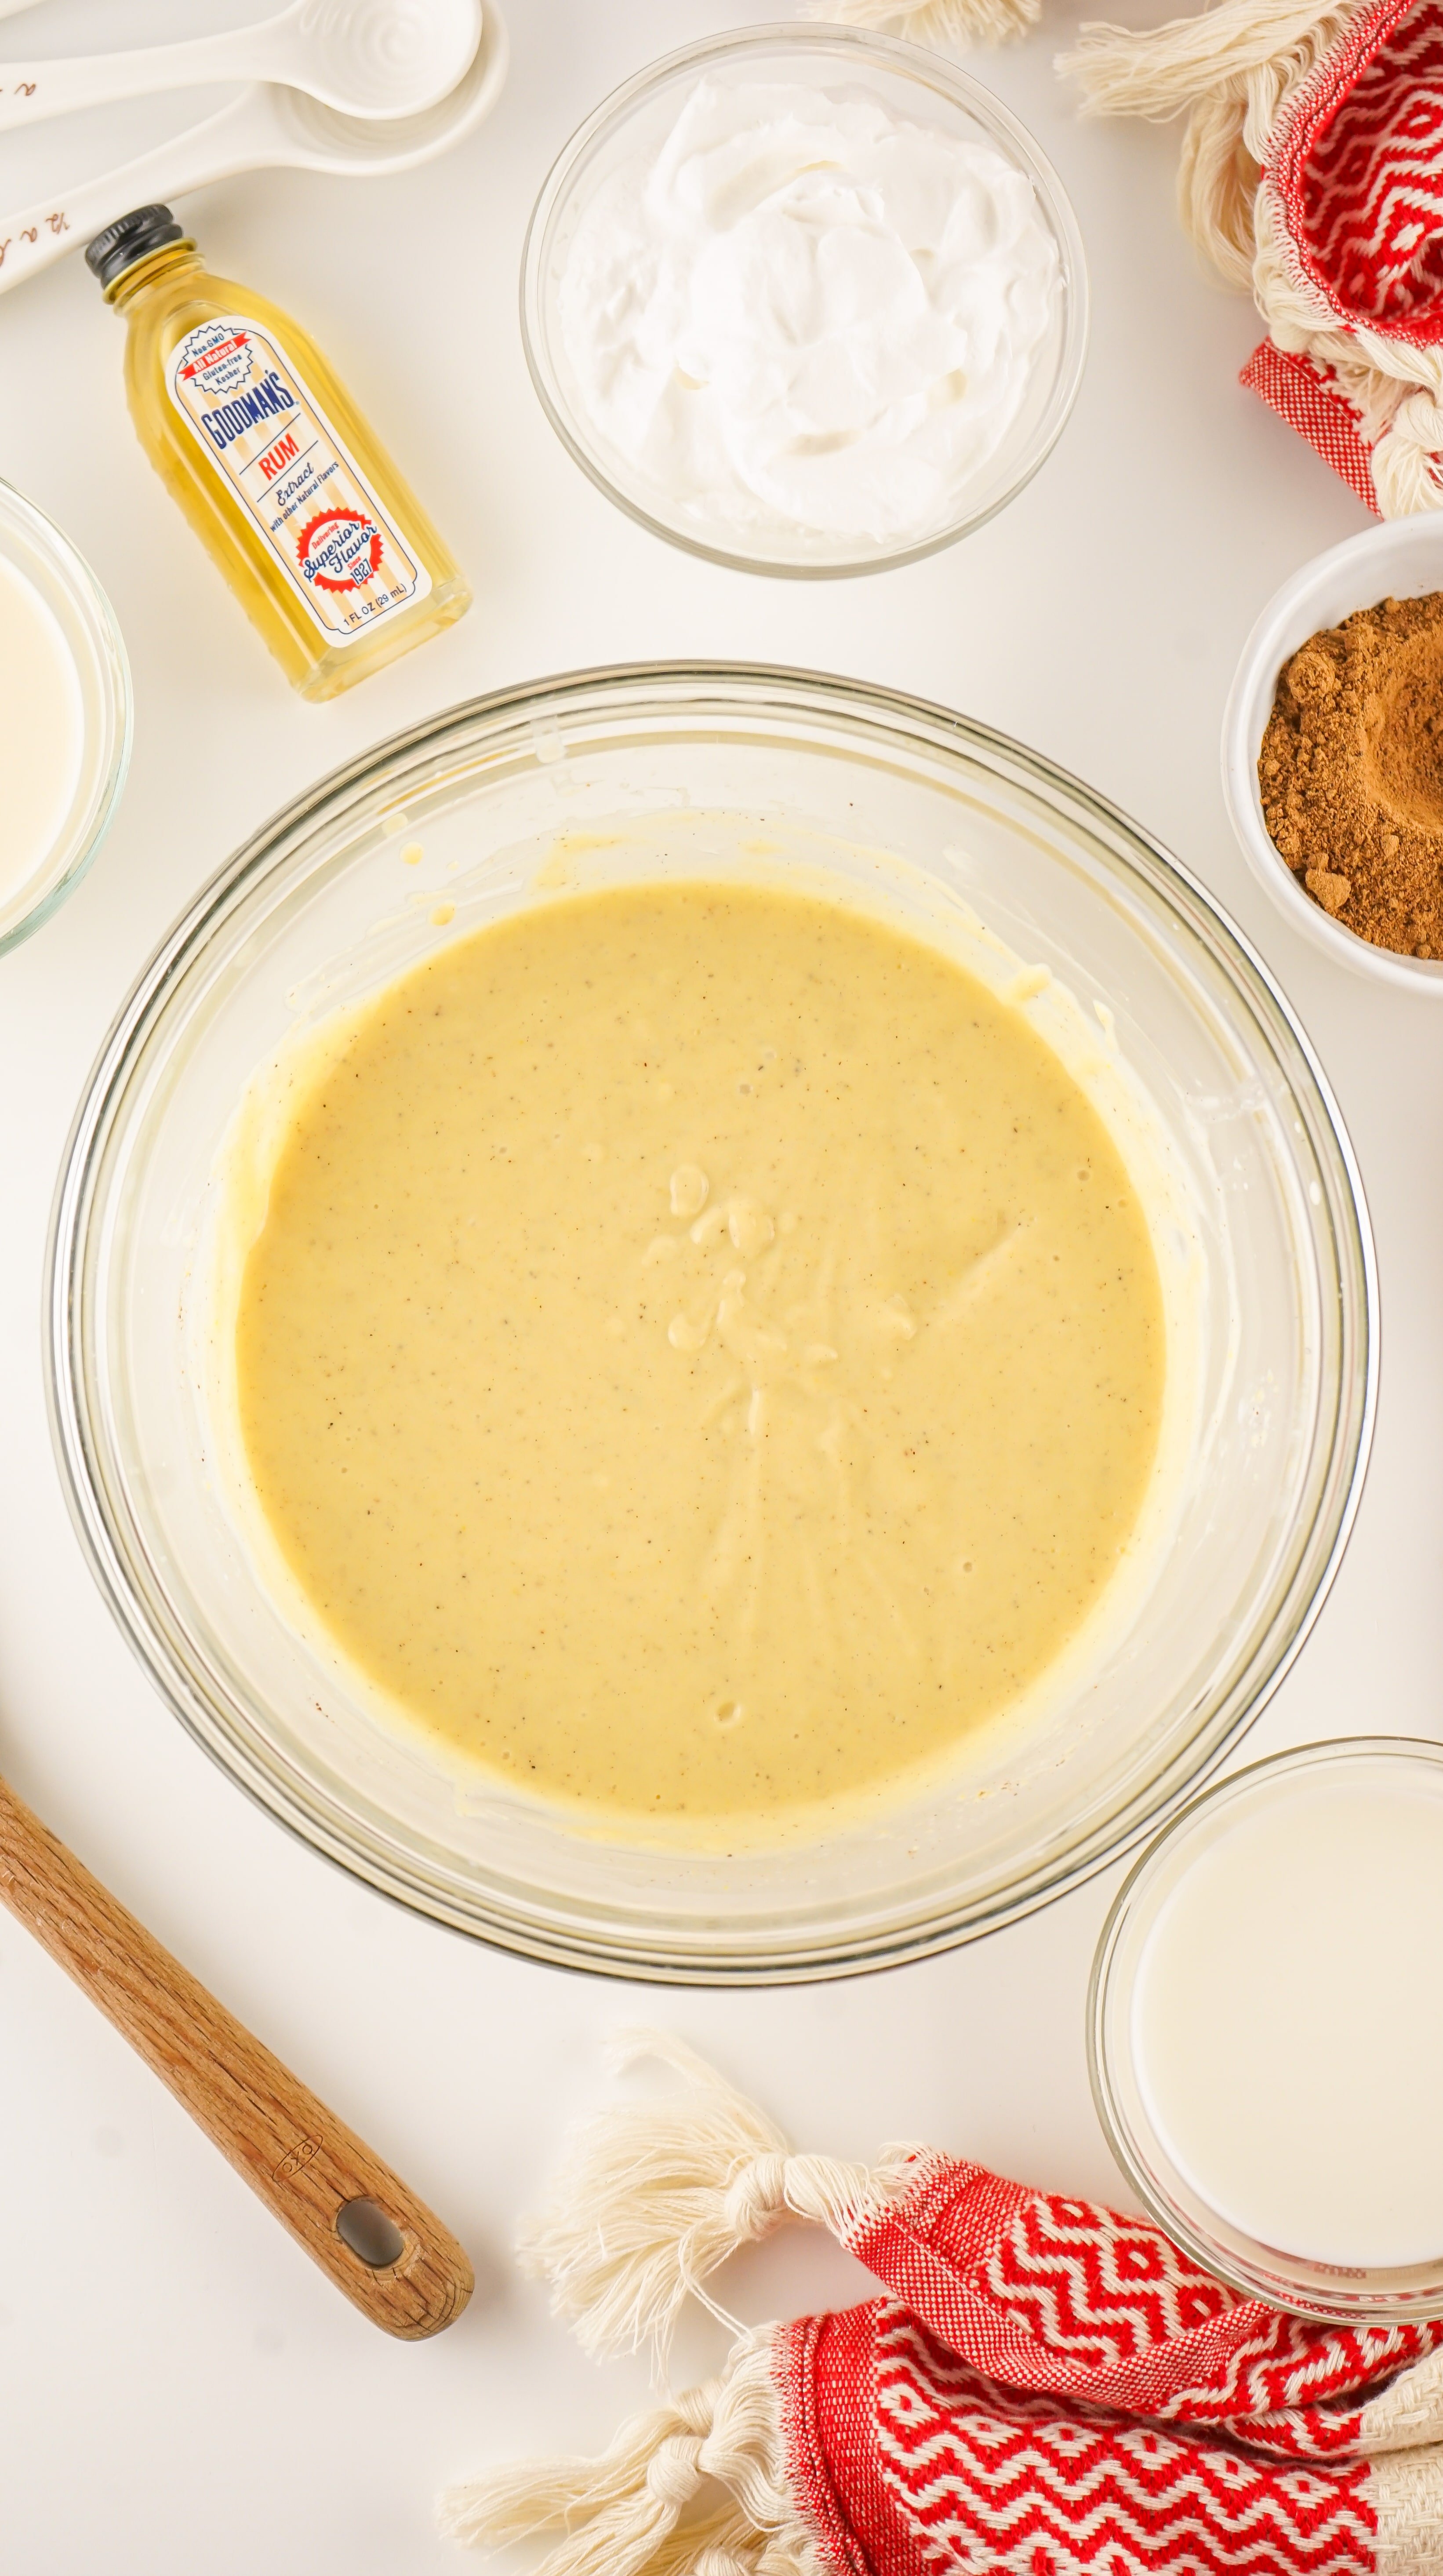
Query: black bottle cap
x,y
131,238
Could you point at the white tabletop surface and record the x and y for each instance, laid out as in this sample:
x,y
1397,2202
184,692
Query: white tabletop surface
x,y
179,2389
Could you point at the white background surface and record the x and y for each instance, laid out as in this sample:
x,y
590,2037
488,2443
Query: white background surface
x,y
179,2390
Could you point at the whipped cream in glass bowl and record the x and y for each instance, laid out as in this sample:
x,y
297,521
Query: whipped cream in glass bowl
x,y
805,300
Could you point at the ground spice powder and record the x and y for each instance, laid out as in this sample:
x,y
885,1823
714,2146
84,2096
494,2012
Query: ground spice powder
x,y
1351,772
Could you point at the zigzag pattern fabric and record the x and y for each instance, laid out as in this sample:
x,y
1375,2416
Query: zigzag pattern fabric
x,y
910,2461
1357,161
1050,2294
1046,2387
1058,2390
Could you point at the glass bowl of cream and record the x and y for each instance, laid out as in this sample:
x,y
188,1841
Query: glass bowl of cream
x,y
807,301
1101,956
65,716
1260,2029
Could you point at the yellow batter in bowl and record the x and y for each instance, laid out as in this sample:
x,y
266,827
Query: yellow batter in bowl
x,y
702,1358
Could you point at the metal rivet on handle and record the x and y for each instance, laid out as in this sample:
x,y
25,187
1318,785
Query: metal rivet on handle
x,y
370,2234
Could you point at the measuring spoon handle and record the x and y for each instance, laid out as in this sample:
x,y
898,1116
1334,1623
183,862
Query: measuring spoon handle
x,y
379,2244
238,137
30,93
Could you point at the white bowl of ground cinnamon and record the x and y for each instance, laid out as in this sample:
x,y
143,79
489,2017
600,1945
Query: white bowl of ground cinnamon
x,y
1333,751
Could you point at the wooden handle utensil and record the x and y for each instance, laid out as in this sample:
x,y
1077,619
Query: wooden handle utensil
x,y
378,2242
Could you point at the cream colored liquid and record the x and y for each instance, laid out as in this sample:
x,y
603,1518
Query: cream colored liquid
x,y
40,731
1286,2023
702,1356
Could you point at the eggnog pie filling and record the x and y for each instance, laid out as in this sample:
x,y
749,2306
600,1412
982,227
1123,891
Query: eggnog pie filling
x,y
699,1354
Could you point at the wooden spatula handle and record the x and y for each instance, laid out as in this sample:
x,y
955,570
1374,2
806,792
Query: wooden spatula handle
x,y
313,2172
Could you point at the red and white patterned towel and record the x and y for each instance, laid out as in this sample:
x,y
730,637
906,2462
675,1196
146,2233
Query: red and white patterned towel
x,y
1313,173
1356,161
1313,402
1350,219
1047,2388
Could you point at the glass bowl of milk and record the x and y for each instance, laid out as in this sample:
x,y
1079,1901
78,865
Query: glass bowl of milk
x,y
805,300
65,716
1263,2029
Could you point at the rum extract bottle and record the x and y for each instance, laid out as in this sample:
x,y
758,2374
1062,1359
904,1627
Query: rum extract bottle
x,y
326,547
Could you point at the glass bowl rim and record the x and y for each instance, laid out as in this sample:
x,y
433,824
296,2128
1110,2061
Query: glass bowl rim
x,y
86,593
1270,2280
891,52
612,691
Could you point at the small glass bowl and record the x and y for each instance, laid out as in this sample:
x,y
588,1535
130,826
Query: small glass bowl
x,y
1339,2294
915,84
86,619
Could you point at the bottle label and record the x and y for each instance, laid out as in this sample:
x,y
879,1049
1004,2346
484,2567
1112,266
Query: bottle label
x,y
256,419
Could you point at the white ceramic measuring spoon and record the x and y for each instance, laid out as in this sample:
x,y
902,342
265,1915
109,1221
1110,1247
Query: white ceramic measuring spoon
x,y
266,128
365,58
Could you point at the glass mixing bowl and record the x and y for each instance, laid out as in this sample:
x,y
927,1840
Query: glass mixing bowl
x,y
322,906
917,86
